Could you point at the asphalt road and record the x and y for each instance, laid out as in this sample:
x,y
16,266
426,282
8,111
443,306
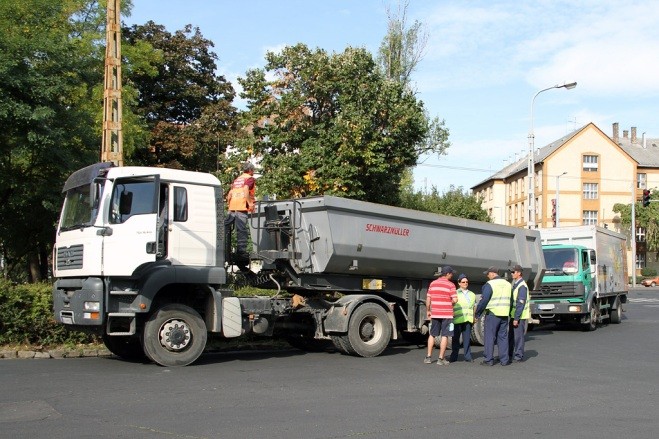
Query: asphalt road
x,y
575,384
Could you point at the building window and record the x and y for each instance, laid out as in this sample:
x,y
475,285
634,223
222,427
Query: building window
x,y
590,163
640,261
590,191
640,234
641,181
589,218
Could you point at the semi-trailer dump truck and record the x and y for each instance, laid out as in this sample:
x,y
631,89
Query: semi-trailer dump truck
x,y
140,258
586,280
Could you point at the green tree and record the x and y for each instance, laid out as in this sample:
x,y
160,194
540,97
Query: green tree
x,y
331,124
646,217
403,47
47,65
454,202
187,107
400,52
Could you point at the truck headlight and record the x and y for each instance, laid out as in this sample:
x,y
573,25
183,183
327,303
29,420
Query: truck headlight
x,y
574,308
91,306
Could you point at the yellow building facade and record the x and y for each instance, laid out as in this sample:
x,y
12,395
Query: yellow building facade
x,y
578,179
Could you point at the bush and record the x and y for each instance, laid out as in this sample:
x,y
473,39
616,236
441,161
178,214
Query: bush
x,y
26,317
648,272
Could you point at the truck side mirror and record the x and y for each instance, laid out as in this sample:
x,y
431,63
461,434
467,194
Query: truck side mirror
x,y
125,202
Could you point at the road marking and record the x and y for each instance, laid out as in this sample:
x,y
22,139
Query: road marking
x,y
642,300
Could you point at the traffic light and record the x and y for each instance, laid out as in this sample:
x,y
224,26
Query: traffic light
x,y
553,211
646,197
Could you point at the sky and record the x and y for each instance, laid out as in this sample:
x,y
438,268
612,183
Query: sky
x,y
483,63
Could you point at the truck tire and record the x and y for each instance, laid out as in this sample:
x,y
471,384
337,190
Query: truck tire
x,y
175,335
369,330
478,331
593,319
127,348
342,344
616,312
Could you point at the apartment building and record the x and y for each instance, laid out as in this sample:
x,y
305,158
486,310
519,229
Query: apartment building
x,y
577,180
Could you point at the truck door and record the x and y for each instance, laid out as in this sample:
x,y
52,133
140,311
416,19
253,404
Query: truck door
x,y
590,265
130,238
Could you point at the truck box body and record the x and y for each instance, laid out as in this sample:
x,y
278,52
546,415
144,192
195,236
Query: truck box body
x,y
586,273
343,236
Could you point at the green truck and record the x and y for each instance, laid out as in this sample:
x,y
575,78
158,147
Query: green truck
x,y
585,280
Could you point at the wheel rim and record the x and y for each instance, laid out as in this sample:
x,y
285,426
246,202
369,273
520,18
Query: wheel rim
x,y
175,335
370,329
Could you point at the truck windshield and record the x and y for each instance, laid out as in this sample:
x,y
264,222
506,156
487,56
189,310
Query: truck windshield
x,y
80,207
561,261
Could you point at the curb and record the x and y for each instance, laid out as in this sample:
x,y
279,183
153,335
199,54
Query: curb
x,y
57,353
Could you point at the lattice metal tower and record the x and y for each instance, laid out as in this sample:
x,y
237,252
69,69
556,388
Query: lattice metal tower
x,y
112,146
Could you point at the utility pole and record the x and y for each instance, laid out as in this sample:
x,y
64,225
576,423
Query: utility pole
x,y
113,139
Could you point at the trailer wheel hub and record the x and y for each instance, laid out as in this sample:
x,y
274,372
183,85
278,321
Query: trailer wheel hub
x,y
367,330
174,335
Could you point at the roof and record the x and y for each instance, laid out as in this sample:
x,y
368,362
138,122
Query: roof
x,y
540,155
647,157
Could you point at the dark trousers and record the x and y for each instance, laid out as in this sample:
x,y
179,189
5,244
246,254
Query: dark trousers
x,y
461,330
496,330
516,339
240,221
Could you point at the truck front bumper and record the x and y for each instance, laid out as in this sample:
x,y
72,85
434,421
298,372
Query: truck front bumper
x,y
547,311
79,302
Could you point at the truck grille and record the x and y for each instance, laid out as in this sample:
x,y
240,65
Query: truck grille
x,y
548,291
70,258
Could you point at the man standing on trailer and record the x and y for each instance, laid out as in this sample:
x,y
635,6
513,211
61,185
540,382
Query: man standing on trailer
x,y
439,303
240,202
496,296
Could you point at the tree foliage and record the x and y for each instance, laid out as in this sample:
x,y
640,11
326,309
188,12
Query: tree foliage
x,y
646,217
186,105
400,52
331,124
403,46
454,202
47,66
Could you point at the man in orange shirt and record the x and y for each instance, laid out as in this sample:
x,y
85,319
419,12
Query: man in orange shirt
x,y
439,303
240,202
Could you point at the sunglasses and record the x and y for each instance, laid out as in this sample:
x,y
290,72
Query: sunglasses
x,y
464,281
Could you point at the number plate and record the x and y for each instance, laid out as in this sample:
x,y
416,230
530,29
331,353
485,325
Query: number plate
x,y
546,306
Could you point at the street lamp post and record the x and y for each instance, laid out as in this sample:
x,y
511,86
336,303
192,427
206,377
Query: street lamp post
x,y
558,212
531,168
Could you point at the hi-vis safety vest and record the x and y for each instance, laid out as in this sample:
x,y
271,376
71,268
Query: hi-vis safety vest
x,y
241,197
463,310
499,303
526,312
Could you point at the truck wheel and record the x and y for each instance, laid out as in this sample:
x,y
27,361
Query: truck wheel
x,y
127,348
593,318
478,331
342,344
616,312
369,330
175,335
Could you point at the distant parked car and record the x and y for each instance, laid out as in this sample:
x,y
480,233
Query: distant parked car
x,y
651,281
